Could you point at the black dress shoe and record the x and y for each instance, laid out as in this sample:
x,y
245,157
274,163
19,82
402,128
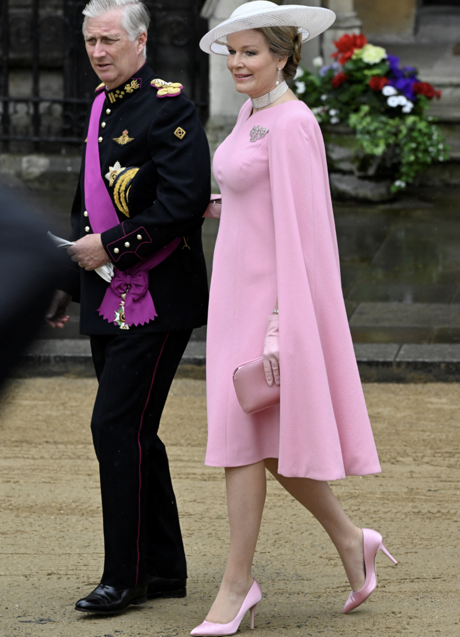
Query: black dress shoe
x,y
165,587
107,600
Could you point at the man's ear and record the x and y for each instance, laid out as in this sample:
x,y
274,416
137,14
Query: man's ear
x,y
142,40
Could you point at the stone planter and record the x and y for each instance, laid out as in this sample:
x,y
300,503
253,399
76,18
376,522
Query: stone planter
x,y
353,174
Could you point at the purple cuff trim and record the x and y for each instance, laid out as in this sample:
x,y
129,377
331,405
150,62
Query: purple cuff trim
x,y
119,243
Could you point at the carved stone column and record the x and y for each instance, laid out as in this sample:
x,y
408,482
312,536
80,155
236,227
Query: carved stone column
x,y
224,101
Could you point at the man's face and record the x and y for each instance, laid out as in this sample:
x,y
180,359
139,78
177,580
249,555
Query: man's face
x,y
112,54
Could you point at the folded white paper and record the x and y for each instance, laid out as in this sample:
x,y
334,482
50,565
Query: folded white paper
x,y
105,271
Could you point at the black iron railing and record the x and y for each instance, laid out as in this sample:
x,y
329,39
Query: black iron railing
x,y
46,81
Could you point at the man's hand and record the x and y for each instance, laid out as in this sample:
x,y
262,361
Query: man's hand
x,y
89,252
56,315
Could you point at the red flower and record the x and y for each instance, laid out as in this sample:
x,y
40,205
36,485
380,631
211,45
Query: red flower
x,y
426,89
338,79
346,46
377,83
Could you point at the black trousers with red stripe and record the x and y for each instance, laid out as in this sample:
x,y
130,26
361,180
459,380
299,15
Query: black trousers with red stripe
x,y
142,534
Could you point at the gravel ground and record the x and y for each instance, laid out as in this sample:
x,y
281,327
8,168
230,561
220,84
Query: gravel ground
x,y
51,539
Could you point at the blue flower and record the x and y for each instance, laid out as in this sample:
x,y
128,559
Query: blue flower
x,y
404,86
393,62
329,67
402,79
409,71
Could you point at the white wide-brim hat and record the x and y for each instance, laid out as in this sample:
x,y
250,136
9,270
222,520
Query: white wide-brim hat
x,y
311,21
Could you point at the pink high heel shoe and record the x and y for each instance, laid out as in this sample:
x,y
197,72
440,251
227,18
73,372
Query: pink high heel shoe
x,y
215,630
372,543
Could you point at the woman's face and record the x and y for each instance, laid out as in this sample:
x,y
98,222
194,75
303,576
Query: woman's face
x,y
254,69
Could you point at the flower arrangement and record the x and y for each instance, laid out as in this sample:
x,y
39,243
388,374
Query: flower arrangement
x,y
384,104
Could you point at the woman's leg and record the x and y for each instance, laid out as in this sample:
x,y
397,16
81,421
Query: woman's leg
x,y
318,498
246,488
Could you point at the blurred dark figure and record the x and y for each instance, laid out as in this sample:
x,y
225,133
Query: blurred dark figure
x,y
27,279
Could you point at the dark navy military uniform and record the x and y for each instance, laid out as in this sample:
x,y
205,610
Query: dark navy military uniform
x,y
161,194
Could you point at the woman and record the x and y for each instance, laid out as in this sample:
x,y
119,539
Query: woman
x,y
277,249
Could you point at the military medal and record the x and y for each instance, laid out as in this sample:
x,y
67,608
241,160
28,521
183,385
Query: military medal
x,y
113,172
123,139
180,133
120,319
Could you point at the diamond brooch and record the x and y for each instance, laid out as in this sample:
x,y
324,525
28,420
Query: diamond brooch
x,y
257,133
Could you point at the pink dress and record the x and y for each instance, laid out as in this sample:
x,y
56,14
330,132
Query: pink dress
x,y
277,241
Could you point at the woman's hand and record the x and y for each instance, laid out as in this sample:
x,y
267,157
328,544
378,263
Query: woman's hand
x,y
272,351
214,207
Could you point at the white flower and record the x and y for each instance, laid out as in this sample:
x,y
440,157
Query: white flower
x,y
318,62
317,109
300,88
441,146
393,101
399,184
335,120
408,107
371,54
324,97
388,90
402,101
333,112
298,72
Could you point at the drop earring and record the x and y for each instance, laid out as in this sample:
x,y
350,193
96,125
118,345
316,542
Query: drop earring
x,y
278,78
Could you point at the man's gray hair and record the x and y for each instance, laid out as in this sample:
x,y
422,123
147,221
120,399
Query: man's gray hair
x,y
135,17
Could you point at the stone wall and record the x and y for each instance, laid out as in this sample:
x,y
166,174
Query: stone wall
x,y
388,20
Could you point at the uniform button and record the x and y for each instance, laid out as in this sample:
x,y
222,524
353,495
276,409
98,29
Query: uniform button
x,y
116,250
87,228
85,214
103,124
127,244
139,237
108,111
100,139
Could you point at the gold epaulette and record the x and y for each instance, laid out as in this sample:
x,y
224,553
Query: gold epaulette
x,y
99,88
167,89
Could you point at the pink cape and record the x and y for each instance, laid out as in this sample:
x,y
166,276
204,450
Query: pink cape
x,y
277,240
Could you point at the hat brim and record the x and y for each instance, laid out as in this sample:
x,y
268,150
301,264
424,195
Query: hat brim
x,y
310,21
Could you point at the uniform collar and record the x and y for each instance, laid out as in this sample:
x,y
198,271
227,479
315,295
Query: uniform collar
x,y
128,88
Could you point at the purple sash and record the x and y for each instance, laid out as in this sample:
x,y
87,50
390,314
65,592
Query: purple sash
x,y
138,304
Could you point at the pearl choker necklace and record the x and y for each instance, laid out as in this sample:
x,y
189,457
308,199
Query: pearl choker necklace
x,y
270,97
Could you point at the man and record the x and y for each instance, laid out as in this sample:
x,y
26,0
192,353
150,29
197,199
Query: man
x,y
144,187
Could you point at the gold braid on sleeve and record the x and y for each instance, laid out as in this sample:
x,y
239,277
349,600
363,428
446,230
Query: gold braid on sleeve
x,y
122,184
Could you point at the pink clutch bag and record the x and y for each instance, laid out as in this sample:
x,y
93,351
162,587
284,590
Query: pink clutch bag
x,y
251,388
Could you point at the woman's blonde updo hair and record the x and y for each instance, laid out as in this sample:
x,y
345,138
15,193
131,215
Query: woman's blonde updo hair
x,y
284,42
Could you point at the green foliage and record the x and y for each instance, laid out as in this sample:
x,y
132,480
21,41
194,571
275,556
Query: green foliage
x,y
414,141
410,140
